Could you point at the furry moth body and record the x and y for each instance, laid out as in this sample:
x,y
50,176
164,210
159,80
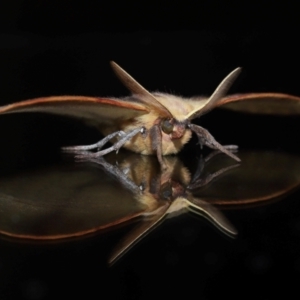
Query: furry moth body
x,y
146,123
154,123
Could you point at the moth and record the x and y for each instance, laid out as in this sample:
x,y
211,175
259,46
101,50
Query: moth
x,y
146,123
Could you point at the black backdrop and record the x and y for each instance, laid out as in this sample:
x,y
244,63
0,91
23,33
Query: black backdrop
x,y
64,47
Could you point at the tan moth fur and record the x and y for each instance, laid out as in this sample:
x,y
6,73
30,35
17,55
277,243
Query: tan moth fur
x,y
151,113
179,108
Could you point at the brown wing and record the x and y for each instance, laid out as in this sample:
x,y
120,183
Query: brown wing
x,y
135,88
137,234
263,176
91,109
63,201
213,214
262,103
208,104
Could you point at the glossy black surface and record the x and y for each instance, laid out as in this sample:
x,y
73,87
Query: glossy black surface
x,y
185,256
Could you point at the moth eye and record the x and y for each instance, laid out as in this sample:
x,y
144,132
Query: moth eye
x,y
167,126
166,190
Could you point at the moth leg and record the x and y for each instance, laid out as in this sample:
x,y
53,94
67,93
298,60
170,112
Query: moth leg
x,y
199,170
205,138
156,139
117,173
202,162
228,147
115,147
231,147
201,142
199,182
97,145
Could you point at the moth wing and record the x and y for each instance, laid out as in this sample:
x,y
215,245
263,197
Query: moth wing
x,y
211,102
135,88
138,233
64,200
91,109
262,103
213,214
245,186
147,225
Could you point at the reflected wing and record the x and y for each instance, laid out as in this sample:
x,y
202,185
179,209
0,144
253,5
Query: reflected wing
x,y
213,215
262,177
203,209
91,109
262,103
138,233
63,201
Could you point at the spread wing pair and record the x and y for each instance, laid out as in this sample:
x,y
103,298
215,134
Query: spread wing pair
x,y
154,123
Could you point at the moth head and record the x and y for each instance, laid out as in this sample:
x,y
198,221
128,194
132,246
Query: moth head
x,y
167,126
170,190
173,128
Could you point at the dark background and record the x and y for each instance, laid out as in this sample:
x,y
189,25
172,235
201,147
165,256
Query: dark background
x,y
64,47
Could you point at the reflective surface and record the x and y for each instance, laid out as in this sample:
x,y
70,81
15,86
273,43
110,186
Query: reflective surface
x,y
70,200
184,255
63,211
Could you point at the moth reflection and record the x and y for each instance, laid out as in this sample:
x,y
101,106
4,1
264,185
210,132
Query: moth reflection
x,y
165,193
74,200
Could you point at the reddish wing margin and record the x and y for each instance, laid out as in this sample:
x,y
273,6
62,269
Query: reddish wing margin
x,y
91,109
262,103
